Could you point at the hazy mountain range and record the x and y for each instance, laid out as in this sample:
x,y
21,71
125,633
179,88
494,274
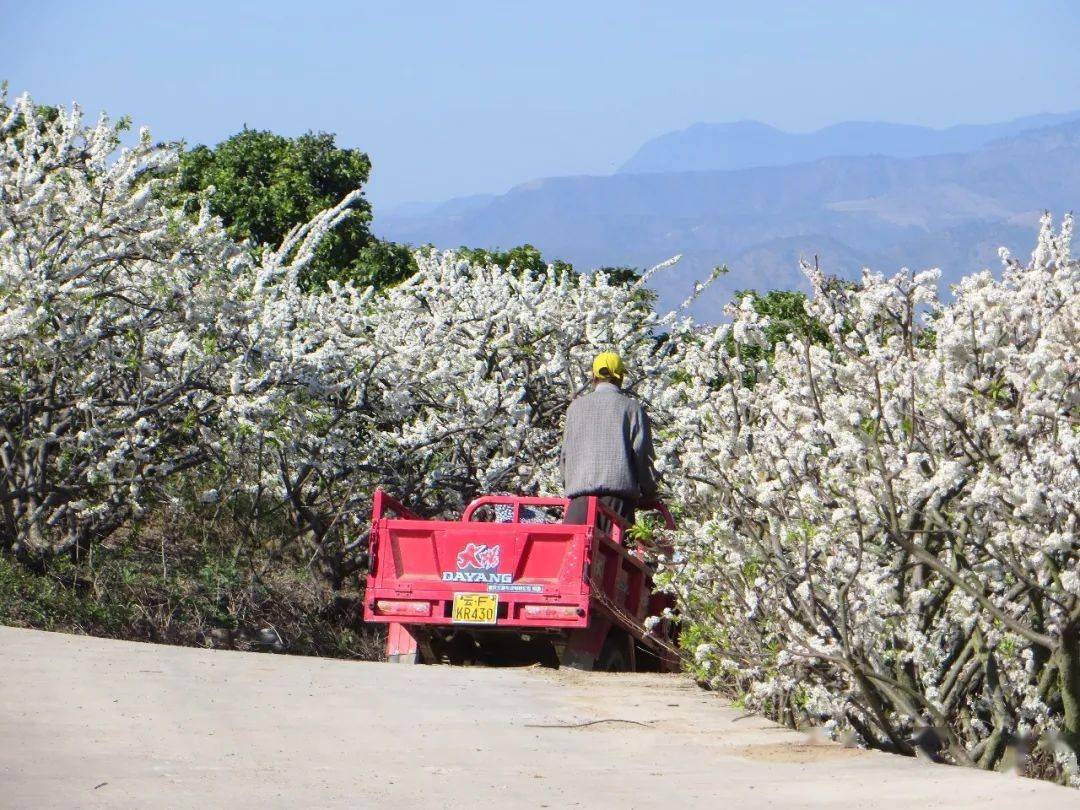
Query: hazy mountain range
x,y
757,199
744,144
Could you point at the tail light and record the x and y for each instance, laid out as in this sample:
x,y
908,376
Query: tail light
x,y
563,612
401,607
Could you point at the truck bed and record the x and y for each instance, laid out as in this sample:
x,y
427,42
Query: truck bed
x,y
579,581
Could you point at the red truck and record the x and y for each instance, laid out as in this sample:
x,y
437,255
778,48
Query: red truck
x,y
509,582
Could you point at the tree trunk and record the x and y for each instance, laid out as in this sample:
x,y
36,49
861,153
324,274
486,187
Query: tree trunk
x,y
1069,673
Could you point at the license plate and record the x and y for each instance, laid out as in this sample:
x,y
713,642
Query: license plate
x,y
475,608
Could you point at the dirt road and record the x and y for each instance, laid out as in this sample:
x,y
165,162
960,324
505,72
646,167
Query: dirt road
x,y
94,723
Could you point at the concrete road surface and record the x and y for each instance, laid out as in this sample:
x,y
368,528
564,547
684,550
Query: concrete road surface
x,y
88,722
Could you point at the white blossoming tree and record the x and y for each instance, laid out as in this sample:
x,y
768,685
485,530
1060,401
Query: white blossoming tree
x,y
139,344
122,323
449,385
884,528
110,328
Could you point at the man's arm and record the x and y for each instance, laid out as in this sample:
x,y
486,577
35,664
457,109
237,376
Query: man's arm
x,y
644,455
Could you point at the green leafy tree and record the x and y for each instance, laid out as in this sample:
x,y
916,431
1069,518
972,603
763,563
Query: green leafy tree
x,y
266,184
786,311
525,259
625,276
621,275
383,264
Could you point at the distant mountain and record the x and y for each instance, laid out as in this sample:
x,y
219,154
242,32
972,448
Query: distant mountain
x,y
951,211
748,144
458,205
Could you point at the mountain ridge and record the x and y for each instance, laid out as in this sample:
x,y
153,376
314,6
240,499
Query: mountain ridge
x,y
949,210
746,144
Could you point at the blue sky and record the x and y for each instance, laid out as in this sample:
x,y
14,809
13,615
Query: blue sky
x,y
454,98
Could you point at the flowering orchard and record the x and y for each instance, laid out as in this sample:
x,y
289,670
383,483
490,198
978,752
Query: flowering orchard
x,y
449,385
147,361
879,516
882,531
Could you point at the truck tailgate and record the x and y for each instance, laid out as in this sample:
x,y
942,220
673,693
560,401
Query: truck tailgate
x,y
535,574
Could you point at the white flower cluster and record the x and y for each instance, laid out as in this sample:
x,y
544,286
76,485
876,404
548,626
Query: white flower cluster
x,y
450,385
137,344
116,322
882,530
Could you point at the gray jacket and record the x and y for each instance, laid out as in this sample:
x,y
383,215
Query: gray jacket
x,y
607,447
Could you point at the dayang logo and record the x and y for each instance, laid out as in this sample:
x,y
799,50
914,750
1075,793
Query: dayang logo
x,y
477,562
478,557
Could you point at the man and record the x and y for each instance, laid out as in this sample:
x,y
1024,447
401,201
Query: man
x,y
607,447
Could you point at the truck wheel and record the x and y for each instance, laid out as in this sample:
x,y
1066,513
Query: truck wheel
x,y
613,657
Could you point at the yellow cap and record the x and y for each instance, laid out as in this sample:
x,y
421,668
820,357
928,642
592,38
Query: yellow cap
x,y
608,366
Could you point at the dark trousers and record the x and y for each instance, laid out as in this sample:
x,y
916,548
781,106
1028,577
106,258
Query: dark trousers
x,y
577,511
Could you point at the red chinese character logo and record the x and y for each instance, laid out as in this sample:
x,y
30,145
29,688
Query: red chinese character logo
x,y
478,556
